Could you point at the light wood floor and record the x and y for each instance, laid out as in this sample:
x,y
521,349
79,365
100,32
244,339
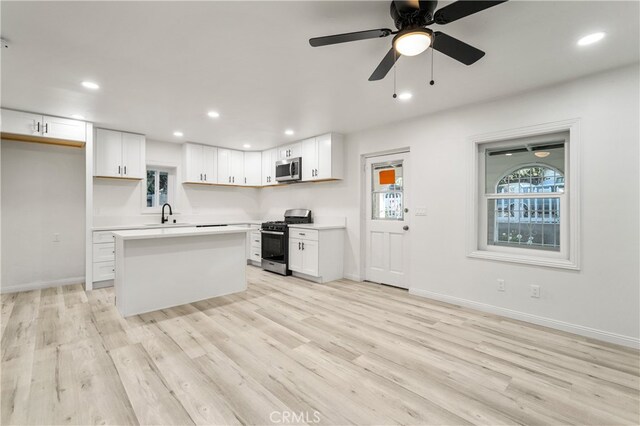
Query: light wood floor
x,y
338,354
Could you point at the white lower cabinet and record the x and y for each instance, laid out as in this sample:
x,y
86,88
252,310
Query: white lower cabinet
x,y
254,245
316,254
104,256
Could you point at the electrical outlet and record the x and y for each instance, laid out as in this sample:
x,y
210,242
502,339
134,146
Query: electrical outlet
x,y
421,211
501,286
56,238
535,291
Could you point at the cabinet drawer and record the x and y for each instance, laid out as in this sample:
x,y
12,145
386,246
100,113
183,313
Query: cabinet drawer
x,y
102,237
104,252
104,271
303,234
256,240
256,254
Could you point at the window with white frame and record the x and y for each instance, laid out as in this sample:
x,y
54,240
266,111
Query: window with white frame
x,y
160,185
523,203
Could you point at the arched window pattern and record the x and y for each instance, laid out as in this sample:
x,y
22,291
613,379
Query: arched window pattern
x,y
526,208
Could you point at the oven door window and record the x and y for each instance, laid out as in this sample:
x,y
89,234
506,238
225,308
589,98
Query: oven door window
x,y
273,247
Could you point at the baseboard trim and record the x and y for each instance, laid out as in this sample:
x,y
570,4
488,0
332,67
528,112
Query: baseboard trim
x,y
40,285
581,330
352,277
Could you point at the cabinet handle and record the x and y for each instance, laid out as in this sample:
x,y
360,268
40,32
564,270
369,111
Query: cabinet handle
x,y
119,168
200,177
245,181
46,127
298,245
125,170
38,127
302,246
229,179
234,179
205,176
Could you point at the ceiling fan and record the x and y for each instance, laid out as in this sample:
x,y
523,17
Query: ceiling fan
x,y
411,18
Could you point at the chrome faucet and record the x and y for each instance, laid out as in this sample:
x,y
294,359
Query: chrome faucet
x,y
166,219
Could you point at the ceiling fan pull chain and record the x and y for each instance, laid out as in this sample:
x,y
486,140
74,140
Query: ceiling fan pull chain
x,y
395,57
432,82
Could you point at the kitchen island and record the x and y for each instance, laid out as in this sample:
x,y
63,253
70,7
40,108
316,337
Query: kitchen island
x,y
161,268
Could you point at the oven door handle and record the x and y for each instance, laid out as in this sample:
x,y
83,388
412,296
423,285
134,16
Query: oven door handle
x,y
272,232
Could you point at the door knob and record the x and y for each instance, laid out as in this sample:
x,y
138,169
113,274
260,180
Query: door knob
x,y
406,228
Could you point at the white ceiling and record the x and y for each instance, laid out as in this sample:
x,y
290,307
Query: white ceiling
x,y
162,65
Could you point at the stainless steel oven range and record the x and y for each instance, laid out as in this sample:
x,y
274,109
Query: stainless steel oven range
x,y
275,240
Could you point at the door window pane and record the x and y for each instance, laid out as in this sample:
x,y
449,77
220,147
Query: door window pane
x,y
387,191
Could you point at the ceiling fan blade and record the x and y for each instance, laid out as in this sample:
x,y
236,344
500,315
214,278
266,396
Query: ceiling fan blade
x,y
385,66
462,8
343,38
456,49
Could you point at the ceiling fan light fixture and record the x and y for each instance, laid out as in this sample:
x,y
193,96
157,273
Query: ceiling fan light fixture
x,y
413,42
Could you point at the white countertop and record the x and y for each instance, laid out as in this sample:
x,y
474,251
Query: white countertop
x,y
318,226
172,225
141,234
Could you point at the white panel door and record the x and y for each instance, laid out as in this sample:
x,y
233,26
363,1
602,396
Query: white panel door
x,y
64,128
224,166
252,168
295,255
324,157
309,159
210,164
237,167
310,259
194,158
133,156
108,153
387,220
21,123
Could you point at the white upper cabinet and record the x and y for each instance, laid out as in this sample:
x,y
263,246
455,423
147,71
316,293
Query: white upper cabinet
x,y
269,159
21,123
230,167
64,128
309,158
133,164
252,169
210,164
200,163
119,155
323,157
28,124
290,151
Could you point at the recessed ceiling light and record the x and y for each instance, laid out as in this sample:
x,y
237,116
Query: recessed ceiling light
x,y
590,39
288,132
213,114
542,154
77,116
178,133
509,154
90,85
405,96
246,145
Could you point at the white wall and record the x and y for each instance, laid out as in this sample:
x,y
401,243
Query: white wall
x,y
42,193
601,300
119,202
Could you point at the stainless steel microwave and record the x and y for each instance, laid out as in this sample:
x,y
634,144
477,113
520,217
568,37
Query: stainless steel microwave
x,y
289,170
